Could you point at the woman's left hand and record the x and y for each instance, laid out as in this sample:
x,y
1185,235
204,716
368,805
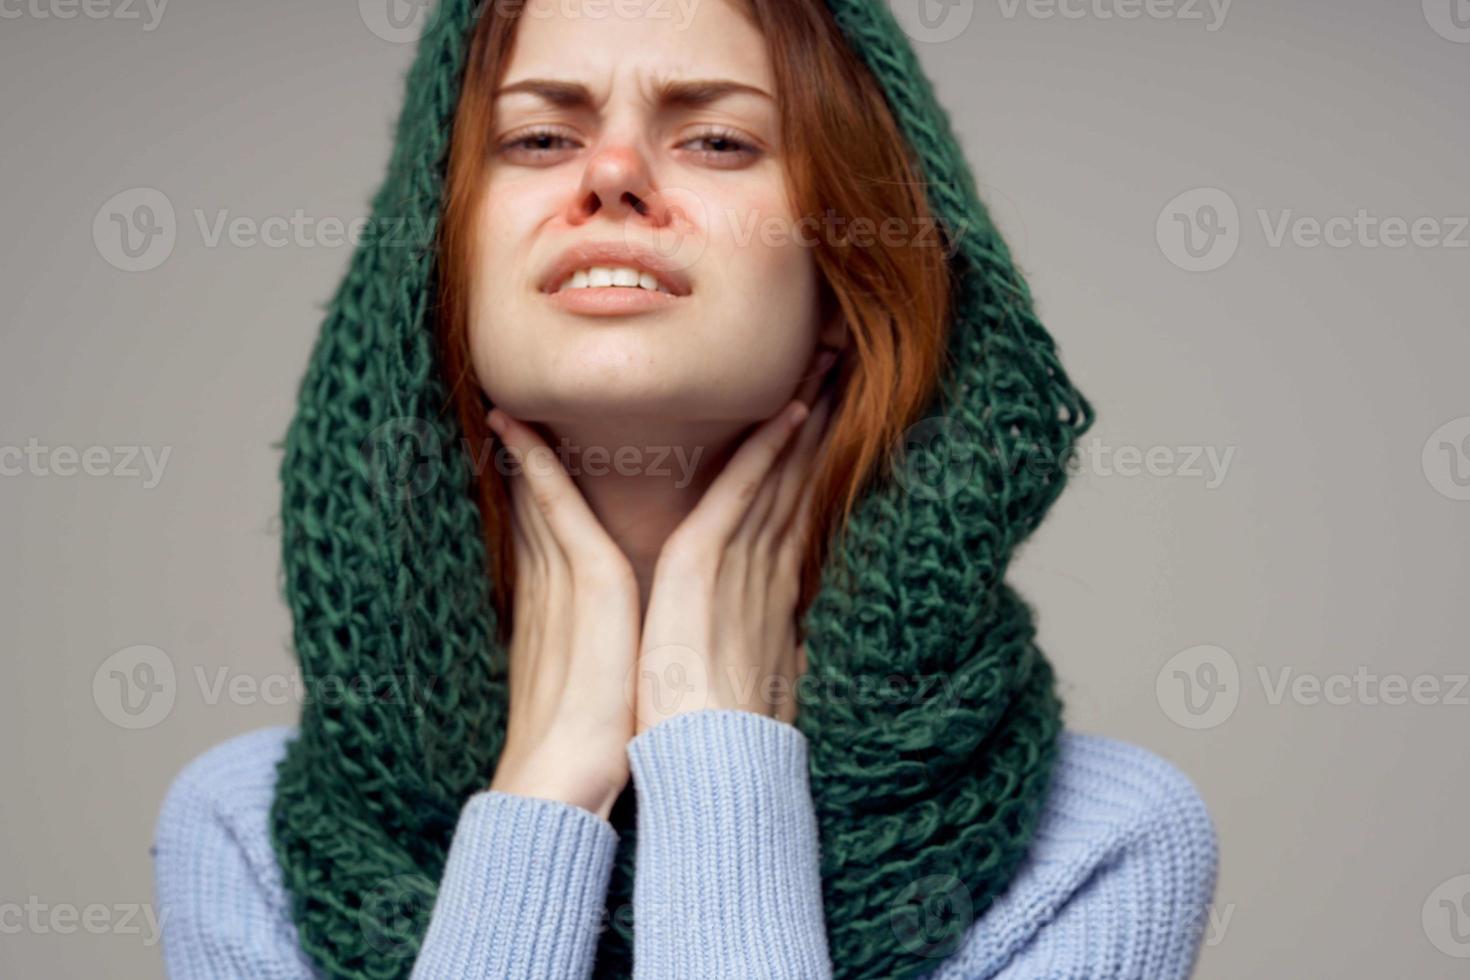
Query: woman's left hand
x,y
720,630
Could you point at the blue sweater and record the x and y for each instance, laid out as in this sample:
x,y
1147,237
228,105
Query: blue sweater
x,y
1116,884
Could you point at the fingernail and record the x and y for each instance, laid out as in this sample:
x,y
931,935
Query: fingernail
x,y
798,414
496,421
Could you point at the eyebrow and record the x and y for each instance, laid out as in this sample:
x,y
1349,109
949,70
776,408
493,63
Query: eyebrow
x,y
691,93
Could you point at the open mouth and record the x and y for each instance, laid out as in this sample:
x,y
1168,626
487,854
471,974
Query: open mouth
x,y
612,291
616,277
597,267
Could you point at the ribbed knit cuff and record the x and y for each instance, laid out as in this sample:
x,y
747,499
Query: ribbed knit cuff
x,y
523,891
728,877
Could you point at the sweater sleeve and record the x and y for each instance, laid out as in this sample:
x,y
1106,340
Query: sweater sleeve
x,y
1118,883
728,880
522,893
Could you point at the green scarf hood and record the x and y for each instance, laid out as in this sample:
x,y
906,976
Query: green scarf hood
x,y
924,804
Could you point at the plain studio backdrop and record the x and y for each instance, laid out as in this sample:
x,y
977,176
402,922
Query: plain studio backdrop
x,y
1245,224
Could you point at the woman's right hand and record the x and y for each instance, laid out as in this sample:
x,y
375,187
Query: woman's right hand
x,y
574,638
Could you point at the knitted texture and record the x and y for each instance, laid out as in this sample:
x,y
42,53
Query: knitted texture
x,y
929,800
1116,885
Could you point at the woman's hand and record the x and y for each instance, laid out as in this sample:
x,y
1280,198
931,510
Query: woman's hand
x,y
574,638
721,631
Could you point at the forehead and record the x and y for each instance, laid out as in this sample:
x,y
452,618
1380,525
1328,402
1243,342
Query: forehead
x,y
603,43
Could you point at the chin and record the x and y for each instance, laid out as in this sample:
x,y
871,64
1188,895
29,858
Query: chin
x,y
652,397
592,389
657,369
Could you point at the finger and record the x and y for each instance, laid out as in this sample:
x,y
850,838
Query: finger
x,y
798,471
754,520
719,512
801,521
529,526
811,384
749,531
527,523
757,517
549,486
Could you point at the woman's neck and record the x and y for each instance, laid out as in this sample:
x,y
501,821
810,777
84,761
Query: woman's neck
x,y
641,481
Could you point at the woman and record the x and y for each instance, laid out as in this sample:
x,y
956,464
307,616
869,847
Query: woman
x,y
590,539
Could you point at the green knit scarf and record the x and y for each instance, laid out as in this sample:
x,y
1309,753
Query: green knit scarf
x,y
926,796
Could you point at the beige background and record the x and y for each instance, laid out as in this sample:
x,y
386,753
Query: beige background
x,y
1334,546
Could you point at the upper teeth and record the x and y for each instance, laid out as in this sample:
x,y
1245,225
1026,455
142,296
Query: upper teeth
x,y
602,275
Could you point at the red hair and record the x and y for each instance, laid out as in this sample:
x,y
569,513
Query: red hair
x,y
845,157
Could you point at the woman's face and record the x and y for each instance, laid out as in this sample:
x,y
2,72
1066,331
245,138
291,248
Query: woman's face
x,y
686,184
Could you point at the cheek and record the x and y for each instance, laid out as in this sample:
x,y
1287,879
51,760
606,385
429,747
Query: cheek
x,y
777,274
763,239
505,229
493,247
504,232
769,324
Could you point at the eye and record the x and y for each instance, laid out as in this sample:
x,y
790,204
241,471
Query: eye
x,y
535,144
722,147
726,147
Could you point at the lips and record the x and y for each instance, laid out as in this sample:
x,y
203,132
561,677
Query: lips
x,y
588,254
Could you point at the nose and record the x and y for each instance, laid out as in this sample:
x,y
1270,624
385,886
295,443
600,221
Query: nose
x,y
618,183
